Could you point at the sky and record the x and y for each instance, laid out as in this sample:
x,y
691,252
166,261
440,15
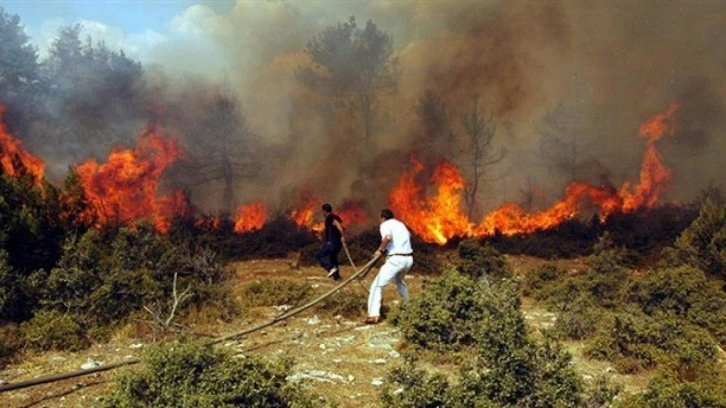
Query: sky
x,y
134,26
614,62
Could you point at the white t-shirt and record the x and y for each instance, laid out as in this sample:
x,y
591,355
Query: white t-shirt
x,y
400,237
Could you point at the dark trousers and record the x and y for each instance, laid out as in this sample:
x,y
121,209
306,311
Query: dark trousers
x,y
327,256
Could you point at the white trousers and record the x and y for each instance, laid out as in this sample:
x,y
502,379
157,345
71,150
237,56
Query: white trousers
x,y
393,271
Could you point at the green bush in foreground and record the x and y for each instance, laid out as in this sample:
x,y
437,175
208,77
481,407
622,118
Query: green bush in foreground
x,y
665,391
274,292
441,317
477,260
508,369
195,375
703,243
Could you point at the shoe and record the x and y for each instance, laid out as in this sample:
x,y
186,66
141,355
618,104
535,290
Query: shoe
x,y
333,272
372,320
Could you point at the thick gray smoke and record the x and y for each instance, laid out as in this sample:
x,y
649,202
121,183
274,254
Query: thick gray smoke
x,y
607,66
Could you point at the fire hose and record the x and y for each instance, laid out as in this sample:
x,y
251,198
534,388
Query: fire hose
x,y
130,361
345,246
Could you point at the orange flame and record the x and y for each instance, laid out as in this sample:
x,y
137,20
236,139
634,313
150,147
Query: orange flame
x,y
352,214
124,189
440,217
302,213
654,176
16,161
250,217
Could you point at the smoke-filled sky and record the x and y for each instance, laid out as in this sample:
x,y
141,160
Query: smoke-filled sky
x,y
607,66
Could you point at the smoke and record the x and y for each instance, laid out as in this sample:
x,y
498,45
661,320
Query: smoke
x,y
616,64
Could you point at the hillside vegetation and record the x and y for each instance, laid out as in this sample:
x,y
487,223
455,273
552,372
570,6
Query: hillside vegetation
x,y
633,322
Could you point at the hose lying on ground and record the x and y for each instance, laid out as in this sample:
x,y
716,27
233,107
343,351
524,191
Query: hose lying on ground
x,y
105,367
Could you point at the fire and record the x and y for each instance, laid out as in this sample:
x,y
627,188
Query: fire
x,y
302,213
250,217
16,161
352,214
124,189
440,217
654,175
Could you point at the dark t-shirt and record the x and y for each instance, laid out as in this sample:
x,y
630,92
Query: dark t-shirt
x,y
332,234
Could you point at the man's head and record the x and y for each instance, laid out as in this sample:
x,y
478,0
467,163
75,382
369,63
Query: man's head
x,y
386,214
327,208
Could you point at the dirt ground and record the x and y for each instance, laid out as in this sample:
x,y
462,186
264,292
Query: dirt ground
x,y
345,360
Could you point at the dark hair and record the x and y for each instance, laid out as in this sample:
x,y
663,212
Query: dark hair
x,y
386,213
327,207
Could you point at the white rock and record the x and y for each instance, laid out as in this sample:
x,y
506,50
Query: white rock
x,y
90,363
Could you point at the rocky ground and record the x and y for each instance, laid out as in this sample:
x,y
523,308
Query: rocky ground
x,y
345,360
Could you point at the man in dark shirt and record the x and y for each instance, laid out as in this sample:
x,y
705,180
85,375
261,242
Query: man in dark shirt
x,y
333,238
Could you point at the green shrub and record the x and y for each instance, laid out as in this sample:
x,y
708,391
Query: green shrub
x,y
442,316
11,291
538,282
602,392
69,285
634,341
10,341
665,391
513,369
409,386
509,368
195,375
608,273
477,260
103,277
50,329
686,293
627,340
578,319
274,292
348,303
703,243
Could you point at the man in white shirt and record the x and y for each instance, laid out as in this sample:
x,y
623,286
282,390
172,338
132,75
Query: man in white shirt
x,y
396,242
